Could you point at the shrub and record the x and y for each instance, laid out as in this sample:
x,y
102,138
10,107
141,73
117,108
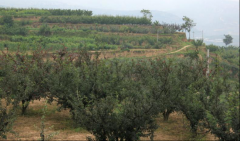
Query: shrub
x,y
6,20
212,48
126,46
44,30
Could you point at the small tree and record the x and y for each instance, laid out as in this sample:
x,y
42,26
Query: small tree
x,y
197,43
228,39
189,91
42,129
24,78
158,76
44,30
156,23
188,24
147,14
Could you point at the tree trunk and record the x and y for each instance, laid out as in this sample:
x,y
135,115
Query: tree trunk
x,y
189,35
166,114
194,128
24,106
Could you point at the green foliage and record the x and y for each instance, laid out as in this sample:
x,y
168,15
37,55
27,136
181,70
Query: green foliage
x,y
119,99
114,99
230,60
159,45
6,20
21,12
192,55
7,118
166,40
188,91
10,28
24,77
156,23
197,43
13,30
188,24
228,39
24,22
147,14
44,30
212,48
222,108
158,75
104,19
126,46
104,98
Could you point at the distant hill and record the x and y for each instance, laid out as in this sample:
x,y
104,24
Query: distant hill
x,y
215,19
214,24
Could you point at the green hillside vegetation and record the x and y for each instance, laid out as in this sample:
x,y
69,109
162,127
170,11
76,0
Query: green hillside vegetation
x,y
116,76
31,35
21,12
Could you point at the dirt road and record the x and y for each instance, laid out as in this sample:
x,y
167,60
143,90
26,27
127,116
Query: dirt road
x,y
180,49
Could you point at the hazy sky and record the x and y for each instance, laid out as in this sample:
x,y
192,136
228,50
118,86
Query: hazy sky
x,y
161,5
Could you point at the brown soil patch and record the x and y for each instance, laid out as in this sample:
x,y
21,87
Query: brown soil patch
x,y
28,18
176,128
132,53
111,53
62,122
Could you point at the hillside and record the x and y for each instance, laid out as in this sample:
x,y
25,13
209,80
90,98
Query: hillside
x,y
111,78
91,32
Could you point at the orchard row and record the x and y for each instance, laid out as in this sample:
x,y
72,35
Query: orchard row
x,y
120,99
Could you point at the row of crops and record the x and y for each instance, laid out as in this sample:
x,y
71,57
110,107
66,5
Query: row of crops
x,y
121,98
30,36
23,12
91,41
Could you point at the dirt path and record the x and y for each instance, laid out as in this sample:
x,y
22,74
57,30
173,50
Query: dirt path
x,y
180,49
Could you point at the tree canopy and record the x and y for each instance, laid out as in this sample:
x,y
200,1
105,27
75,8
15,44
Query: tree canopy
x,y
228,39
188,24
147,14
